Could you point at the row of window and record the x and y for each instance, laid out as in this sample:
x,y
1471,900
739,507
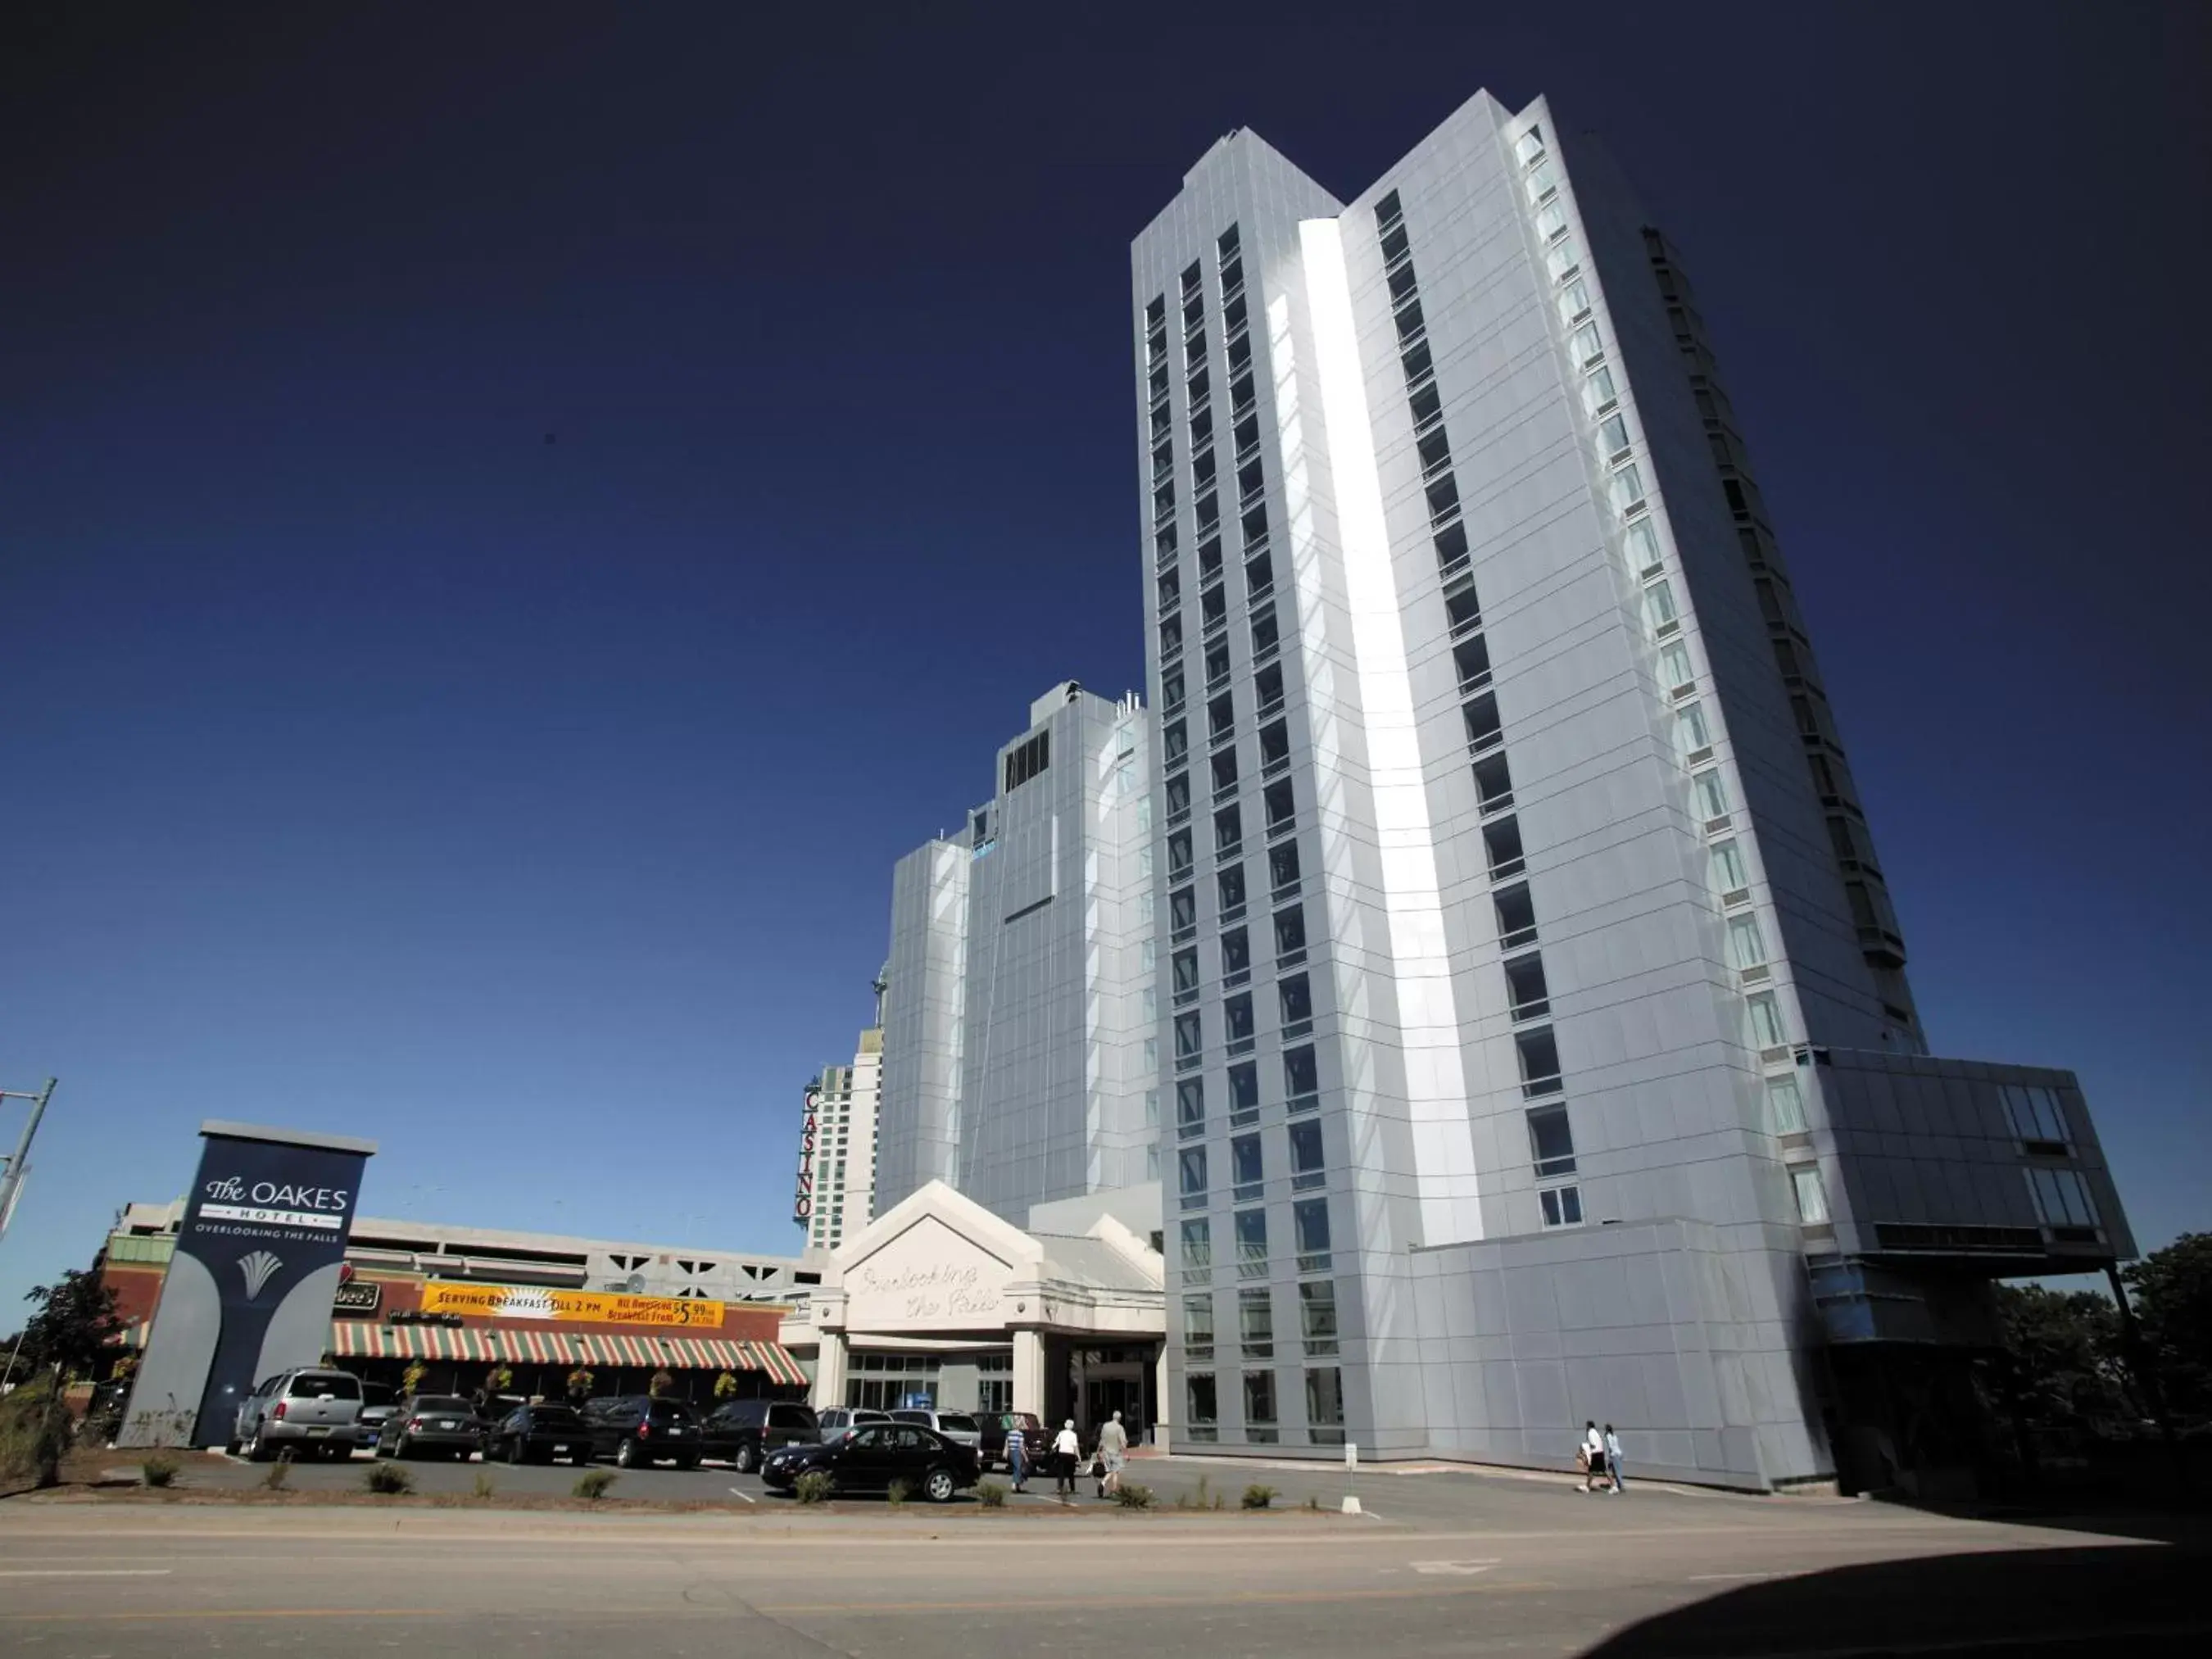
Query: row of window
x,y
1284,884
1255,1322
1235,950
1247,1168
1324,1393
1301,1093
1309,1235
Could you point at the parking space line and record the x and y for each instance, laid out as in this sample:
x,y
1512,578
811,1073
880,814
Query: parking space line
x,y
747,1496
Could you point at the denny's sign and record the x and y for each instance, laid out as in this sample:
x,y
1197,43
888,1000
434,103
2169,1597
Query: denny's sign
x,y
578,1307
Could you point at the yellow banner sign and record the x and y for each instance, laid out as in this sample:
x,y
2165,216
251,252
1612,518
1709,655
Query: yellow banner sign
x,y
530,1302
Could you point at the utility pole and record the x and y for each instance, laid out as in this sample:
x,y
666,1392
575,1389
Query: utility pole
x,y
11,1181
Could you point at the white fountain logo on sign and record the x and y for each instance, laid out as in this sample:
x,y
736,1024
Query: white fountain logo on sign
x,y
257,1268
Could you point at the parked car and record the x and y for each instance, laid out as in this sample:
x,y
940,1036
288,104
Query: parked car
x,y
991,1449
431,1425
745,1431
539,1434
870,1457
309,1412
634,1429
378,1401
835,1420
953,1426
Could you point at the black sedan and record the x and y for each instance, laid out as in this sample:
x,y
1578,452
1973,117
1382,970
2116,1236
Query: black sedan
x,y
431,1424
539,1434
871,1457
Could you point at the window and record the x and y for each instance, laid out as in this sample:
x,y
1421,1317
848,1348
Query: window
x,y
1443,499
1301,1077
1516,916
1264,635
1309,1224
1711,794
1325,1405
1255,1322
1290,936
1812,1194
1198,1328
1183,966
1452,554
1642,542
2035,1114
1746,949
1728,868
1613,436
1539,1052
1198,1389
1192,1163
1587,344
1180,855
1178,796
1562,1207
1213,608
1551,1142
1231,884
1189,1038
1551,218
2061,1199
1197,1248
1463,612
1280,801
1209,566
1171,690
1220,718
1283,868
1224,774
1236,1021
1182,912
1260,1405
1674,664
1627,488
1494,782
1252,1242
1190,1107
1275,745
1175,741
1471,658
1170,591
1785,1106
1501,839
1151,1108
1528,146
1659,612
1526,994
1766,1028
1243,1090
1306,1170
1245,1173
1029,758
1296,992
1236,956
1259,577
1317,1316
1268,684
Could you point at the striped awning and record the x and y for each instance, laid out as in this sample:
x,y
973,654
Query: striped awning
x,y
369,1340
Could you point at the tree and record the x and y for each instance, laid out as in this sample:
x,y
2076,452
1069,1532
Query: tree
x,y
2171,1291
75,1324
2063,1358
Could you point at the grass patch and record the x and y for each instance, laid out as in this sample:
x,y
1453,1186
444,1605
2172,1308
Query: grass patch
x,y
1257,1497
815,1486
1131,1496
280,1473
591,1486
991,1494
485,1486
388,1479
898,1492
1204,1498
161,1469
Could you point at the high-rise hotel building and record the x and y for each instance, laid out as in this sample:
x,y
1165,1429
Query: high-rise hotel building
x,y
1537,1040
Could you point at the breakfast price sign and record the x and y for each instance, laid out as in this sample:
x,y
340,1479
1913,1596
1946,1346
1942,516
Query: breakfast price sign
x,y
568,1307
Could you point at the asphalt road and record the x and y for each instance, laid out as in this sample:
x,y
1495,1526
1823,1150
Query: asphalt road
x,y
1518,1566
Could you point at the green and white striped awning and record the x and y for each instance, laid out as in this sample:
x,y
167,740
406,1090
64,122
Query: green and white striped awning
x,y
363,1339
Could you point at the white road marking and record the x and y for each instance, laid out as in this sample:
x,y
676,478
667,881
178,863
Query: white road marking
x,y
747,1496
1463,1569
85,1572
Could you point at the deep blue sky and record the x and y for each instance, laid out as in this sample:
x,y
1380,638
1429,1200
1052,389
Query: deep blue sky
x,y
374,764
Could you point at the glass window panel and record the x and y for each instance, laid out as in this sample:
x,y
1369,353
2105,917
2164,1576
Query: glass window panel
x,y
1659,605
1317,1310
1598,388
1244,1163
1259,1396
1729,866
1306,1146
1642,541
1325,1397
1197,1245
1192,1163
1785,1106
1309,1217
1190,1102
1713,794
1198,1321
1746,949
1766,1028
1198,1388
1252,1239
1812,1194
1300,1075
1674,664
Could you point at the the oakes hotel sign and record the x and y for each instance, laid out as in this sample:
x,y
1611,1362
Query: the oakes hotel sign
x,y
250,1289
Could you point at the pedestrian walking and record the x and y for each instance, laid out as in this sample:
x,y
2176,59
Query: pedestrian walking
x,y
1613,1455
1016,1453
1065,1449
1112,1452
1591,1457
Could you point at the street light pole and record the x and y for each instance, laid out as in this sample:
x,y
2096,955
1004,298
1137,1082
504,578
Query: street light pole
x,y
11,1183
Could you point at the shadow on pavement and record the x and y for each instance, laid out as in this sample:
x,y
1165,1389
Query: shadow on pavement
x,y
2142,1602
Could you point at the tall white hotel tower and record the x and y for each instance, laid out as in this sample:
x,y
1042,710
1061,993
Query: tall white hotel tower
x,y
1536,1035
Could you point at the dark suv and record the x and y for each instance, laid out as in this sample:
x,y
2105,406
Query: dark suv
x,y
745,1431
634,1429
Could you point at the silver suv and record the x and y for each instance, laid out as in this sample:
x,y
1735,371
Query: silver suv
x,y
959,1427
311,1413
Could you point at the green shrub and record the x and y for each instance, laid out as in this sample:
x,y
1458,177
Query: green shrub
x,y
815,1486
1131,1496
161,1469
1257,1497
591,1486
34,1432
1314,1504
279,1473
485,1488
389,1478
991,1494
898,1492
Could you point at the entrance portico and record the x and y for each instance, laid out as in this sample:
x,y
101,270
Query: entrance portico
x,y
940,1302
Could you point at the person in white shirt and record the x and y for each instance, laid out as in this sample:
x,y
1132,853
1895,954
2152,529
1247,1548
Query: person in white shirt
x,y
1065,1449
1613,1455
1593,1457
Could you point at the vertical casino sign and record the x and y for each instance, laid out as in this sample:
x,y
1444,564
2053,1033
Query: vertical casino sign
x,y
802,1203
249,1290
